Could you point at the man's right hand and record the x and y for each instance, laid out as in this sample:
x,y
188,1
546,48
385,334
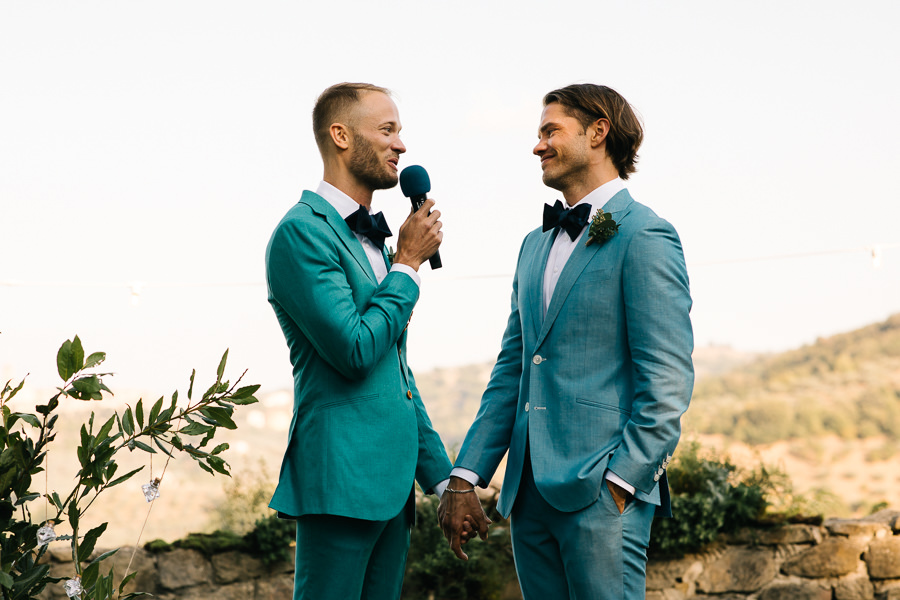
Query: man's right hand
x,y
459,514
420,236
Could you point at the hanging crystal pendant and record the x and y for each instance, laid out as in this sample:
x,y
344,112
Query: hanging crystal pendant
x,y
151,490
45,535
73,587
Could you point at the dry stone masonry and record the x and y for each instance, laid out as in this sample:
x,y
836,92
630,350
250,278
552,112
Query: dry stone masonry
x,y
840,560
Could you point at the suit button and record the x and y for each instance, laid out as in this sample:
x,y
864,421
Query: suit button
x,y
538,359
409,394
656,477
526,407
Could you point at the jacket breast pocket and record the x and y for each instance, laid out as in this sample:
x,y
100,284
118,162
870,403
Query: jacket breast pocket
x,y
601,274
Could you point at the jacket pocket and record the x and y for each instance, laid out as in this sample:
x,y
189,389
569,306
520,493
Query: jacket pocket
x,y
603,405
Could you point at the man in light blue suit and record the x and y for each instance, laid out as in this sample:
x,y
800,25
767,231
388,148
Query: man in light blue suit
x,y
359,436
594,371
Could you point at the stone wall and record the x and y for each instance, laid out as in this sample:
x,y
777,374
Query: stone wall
x,y
840,560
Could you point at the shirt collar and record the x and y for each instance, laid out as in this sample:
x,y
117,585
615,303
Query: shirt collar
x,y
341,202
601,195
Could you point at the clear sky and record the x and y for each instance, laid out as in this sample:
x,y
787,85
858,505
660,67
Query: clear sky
x,y
160,143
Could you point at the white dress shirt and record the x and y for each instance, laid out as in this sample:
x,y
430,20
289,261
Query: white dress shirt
x,y
562,249
346,206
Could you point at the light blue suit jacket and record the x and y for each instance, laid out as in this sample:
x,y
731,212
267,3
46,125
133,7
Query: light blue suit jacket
x,y
359,434
601,381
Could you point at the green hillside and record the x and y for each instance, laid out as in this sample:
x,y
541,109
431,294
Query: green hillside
x,y
847,385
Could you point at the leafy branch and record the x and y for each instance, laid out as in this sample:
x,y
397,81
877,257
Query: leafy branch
x,y
170,428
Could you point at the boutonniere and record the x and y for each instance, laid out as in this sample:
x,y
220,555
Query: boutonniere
x,y
391,253
602,228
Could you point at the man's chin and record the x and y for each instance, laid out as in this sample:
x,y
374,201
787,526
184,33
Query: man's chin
x,y
551,182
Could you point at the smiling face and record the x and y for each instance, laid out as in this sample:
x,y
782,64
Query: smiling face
x,y
376,147
564,149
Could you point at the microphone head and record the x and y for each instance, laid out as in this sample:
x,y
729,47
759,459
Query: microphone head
x,y
414,181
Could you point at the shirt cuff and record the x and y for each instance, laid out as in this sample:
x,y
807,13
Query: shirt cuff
x,y
620,482
409,271
470,476
440,487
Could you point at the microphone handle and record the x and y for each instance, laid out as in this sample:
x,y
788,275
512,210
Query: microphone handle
x,y
417,201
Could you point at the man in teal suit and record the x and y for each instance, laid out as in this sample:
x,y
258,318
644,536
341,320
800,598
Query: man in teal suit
x,y
594,371
359,436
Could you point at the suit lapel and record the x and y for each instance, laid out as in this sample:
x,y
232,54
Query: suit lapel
x,y
321,207
534,302
617,206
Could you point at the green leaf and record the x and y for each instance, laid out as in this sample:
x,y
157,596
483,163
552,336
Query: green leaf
x,y
94,359
105,429
73,516
64,361
104,556
76,360
195,429
191,388
6,579
220,448
222,416
162,446
245,401
139,413
205,468
154,412
128,421
218,464
123,478
125,581
144,447
28,418
89,575
89,541
243,392
221,370
87,388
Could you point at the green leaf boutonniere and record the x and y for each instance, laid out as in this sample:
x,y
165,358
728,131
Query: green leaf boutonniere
x,y
602,228
391,253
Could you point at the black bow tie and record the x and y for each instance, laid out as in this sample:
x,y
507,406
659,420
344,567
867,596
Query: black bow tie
x,y
373,227
572,220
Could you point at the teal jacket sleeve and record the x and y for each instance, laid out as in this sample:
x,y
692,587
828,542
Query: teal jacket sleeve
x,y
309,281
657,312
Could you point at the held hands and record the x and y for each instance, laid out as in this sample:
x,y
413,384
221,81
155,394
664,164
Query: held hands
x,y
461,516
420,236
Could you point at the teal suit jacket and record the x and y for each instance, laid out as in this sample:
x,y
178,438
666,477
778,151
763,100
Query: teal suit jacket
x,y
359,435
601,381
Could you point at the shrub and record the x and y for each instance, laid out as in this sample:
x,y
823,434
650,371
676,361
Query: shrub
x,y
711,496
25,441
432,570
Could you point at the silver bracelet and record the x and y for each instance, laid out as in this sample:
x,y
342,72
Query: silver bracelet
x,y
452,491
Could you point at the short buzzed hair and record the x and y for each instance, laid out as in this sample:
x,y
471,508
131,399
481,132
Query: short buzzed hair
x,y
588,102
335,105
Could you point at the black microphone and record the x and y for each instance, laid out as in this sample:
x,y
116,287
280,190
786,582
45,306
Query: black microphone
x,y
415,185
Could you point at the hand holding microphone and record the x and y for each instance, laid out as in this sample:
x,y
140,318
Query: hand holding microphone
x,y
421,234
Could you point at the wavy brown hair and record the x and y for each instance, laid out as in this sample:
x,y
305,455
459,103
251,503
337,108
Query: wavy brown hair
x,y
588,102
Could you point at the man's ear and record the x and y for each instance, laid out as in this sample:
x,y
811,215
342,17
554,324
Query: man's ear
x,y
599,129
340,135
